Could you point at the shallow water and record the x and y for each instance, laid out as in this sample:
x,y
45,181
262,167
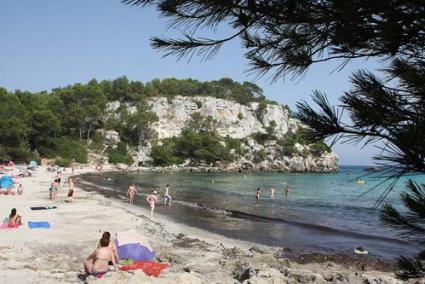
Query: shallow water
x,y
322,212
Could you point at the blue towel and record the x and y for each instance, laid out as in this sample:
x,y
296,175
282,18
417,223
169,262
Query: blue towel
x,y
42,224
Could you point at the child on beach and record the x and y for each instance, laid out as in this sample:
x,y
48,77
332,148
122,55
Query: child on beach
x,y
15,220
70,189
167,196
152,199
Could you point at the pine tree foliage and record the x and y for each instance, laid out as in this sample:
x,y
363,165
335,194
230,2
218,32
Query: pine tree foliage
x,y
286,37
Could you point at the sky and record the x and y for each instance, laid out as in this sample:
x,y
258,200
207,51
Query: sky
x,y
49,43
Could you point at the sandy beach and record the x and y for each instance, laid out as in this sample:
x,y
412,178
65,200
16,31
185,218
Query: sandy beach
x,y
56,255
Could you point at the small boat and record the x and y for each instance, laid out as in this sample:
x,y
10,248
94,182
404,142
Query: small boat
x,y
372,169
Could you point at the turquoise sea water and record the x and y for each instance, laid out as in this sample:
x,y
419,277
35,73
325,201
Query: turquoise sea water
x,y
323,212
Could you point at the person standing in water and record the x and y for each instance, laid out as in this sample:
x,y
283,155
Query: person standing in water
x,y
167,196
131,193
152,199
287,191
257,195
272,192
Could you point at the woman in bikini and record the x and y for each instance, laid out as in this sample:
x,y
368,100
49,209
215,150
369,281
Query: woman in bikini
x,y
107,235
15,220
98,261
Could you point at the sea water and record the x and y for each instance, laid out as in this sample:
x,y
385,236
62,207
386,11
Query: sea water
x,y
325,213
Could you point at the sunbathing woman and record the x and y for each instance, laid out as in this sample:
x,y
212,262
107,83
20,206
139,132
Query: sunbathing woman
x,y
97,262
107,235
15,220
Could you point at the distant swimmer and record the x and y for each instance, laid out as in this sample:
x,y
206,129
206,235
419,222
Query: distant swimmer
x,y
131,192
272,192
287,191
360,181
257,195
152,199
167,196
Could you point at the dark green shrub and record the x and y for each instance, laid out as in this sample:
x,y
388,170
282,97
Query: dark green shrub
x,y
63,162
260,138
164,155
261,111
287,146
260,155
319,148
119,155
198,104
66,148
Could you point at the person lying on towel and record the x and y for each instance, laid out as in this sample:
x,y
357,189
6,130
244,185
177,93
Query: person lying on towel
x,y
97,262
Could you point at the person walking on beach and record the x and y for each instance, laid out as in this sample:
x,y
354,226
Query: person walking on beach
x,y
131,193
272,192
257,195
70,189
167,196
152,199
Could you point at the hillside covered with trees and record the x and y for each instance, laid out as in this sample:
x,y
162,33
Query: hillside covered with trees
x,y
70,121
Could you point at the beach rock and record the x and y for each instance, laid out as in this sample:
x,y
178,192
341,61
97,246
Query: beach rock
x,y
189,278
378,279
302,276
121,167
267,276
244,273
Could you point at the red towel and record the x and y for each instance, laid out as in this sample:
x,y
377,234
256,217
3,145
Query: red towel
x,y
148,267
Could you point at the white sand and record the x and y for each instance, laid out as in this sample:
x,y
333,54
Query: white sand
x,y
56,255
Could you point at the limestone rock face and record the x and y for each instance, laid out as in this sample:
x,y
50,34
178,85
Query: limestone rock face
x,y
236,121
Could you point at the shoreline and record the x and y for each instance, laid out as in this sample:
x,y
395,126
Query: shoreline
x,y
195,256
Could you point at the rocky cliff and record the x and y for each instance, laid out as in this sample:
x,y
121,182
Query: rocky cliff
x,y
241,122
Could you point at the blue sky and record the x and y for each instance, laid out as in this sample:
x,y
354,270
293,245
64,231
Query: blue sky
x,y
48,43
